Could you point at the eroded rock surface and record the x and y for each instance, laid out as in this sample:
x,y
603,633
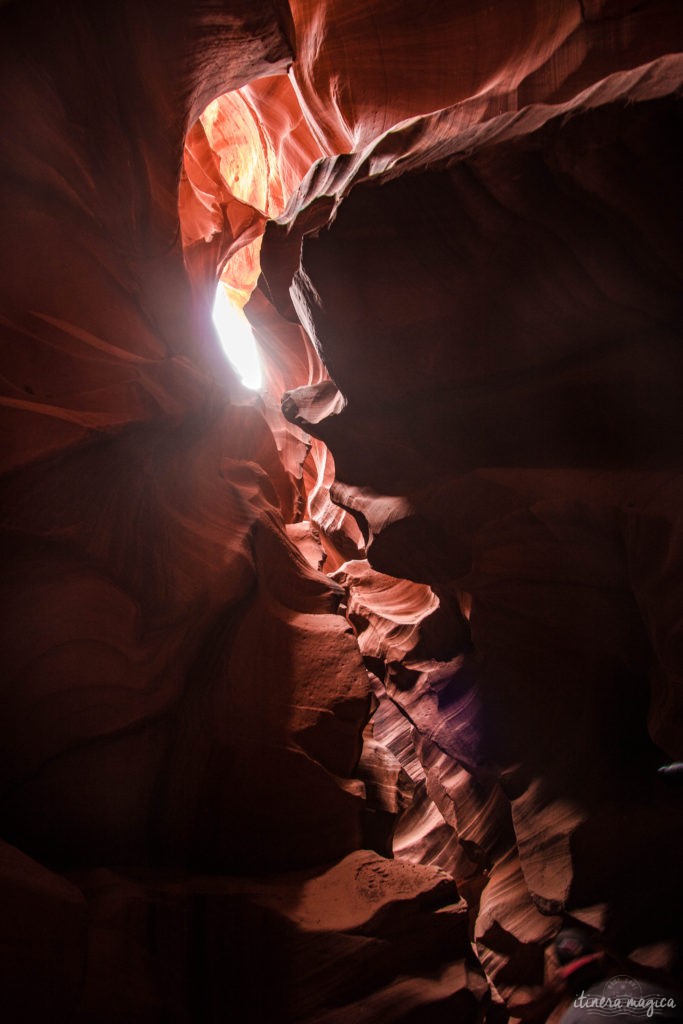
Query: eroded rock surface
x,y
423,593
502,326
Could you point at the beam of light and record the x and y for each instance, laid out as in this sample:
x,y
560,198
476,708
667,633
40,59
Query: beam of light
x,y
237,339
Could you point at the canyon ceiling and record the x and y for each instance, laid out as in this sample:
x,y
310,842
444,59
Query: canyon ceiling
x,y
332,702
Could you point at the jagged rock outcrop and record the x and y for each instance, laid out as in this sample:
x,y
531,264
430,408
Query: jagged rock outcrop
x,y
503,328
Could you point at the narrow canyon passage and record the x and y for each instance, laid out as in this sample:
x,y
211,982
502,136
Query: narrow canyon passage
x,y
393,619
332,695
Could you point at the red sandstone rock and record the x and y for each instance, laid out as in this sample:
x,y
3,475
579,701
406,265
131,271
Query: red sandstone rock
x,y
333,945
487,264
491,359
43,930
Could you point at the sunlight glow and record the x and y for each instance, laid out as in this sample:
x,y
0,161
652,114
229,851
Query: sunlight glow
x,y
237,339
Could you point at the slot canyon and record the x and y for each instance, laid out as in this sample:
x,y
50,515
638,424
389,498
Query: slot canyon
x,y
334,697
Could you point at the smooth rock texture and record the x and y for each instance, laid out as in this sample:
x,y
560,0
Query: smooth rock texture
x,y
332,703
166,948
503,327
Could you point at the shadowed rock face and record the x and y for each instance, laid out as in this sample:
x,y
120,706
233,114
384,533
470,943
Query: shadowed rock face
x,y
502,326
336,711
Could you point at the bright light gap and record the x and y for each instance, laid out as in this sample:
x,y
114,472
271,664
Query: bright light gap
x,y
237,339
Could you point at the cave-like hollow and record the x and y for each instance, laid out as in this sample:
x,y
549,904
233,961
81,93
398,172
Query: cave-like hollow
x,y
337,700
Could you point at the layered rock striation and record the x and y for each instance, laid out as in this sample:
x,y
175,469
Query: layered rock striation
x,y
332,703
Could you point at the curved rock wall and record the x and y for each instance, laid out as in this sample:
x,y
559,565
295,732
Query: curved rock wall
x,y
471,301
502,323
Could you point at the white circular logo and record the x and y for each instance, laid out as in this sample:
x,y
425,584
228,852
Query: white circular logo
x,y
622,987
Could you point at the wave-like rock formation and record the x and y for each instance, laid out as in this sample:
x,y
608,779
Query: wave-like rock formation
x,y
333,703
